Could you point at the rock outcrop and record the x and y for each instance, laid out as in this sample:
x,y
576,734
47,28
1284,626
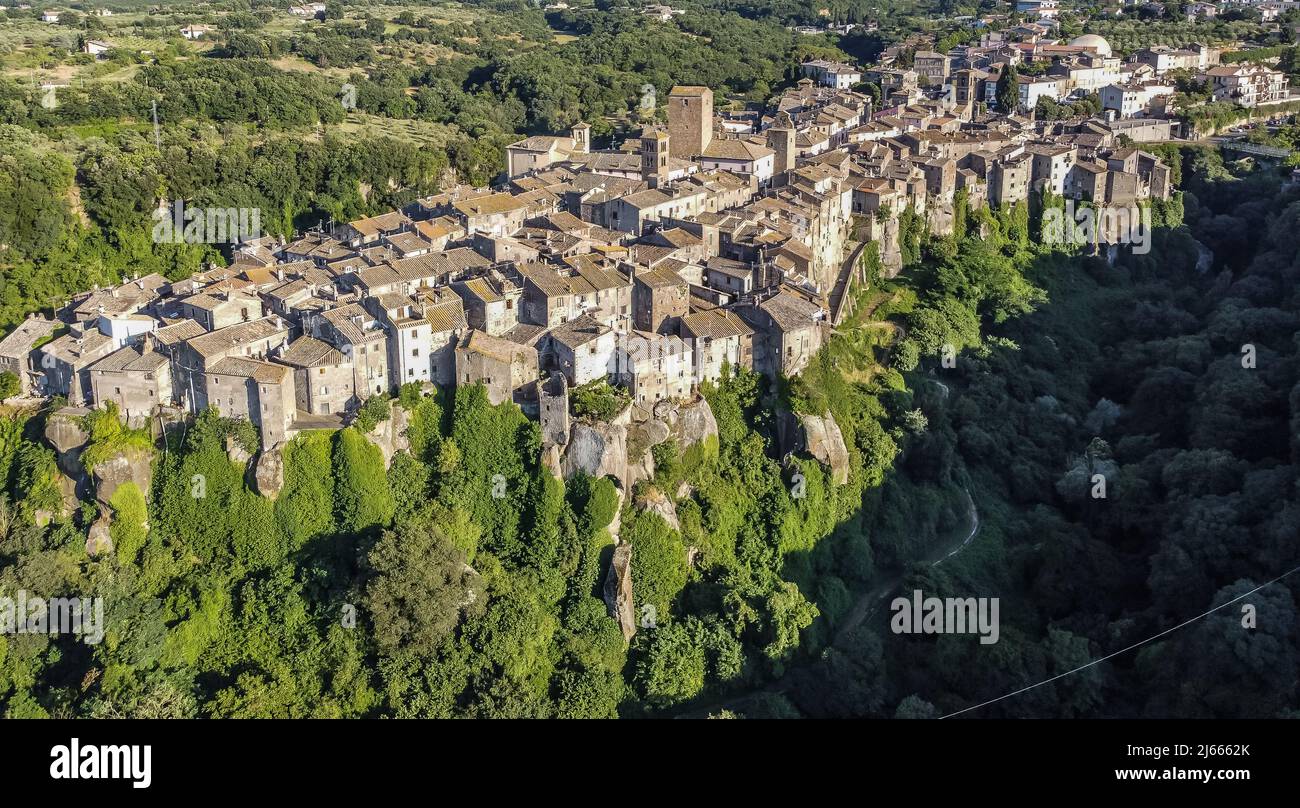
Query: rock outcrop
x,y
71,501
650,433
599,449
552,461
940,218
98,538
652,500
621,448
64,432
390,434
618,591
129,465
268,474
694,423
236,452
616,524
823,440
885,233
819,436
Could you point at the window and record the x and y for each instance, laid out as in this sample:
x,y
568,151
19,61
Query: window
x,y
322,371
415,352
117,391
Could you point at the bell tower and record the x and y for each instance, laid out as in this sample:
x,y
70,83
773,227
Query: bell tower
x,y
654,157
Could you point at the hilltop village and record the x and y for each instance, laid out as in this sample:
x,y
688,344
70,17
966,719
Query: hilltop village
x,y
720,239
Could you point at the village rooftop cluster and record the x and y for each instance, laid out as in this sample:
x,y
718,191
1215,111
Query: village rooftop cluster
x,y
722,238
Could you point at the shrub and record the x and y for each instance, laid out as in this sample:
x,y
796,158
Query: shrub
x,y
598,401
372,412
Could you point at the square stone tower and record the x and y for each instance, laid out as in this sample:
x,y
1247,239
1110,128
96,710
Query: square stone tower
x,y
655,149
690,120
781,139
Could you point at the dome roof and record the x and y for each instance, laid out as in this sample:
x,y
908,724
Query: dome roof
x,y
1093,41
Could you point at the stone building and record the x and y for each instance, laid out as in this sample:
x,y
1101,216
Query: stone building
x,y
445,314
260,392
18,350
136,377
213,311
790,332
719,339
659,298
410,337
553,409
656,367
505,368
491,303
362,338
65,363
257,339
322,376
690,121
583,349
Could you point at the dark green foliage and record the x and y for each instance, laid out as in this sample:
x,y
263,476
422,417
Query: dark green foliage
x,y
598,400
372,412
496,478
362,497
304,510
420,588
9,385
109,437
